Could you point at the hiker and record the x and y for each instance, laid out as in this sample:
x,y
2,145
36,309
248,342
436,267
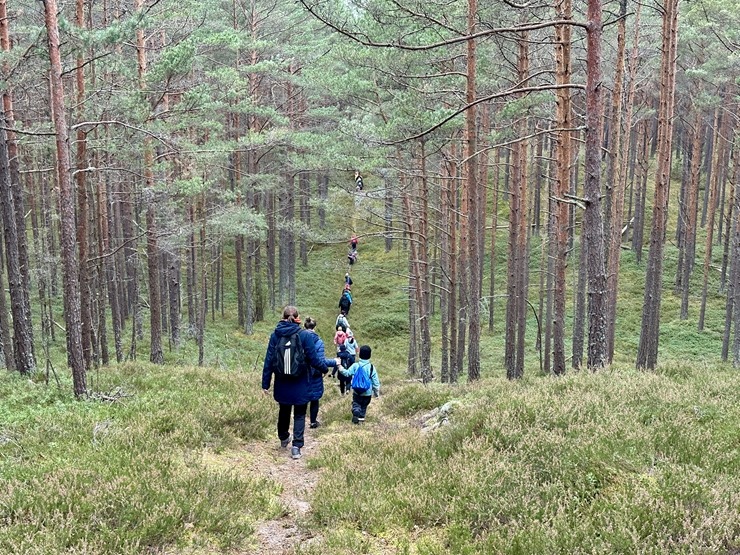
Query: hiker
x,y
351,345
365,384
352,257
347,279
358,181
340,336
291,353
345,302
342,321
316,375
353,242
346,361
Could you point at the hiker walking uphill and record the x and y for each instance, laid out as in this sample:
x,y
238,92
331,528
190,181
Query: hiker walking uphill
x,y
291,354
365,384
345,301
316,375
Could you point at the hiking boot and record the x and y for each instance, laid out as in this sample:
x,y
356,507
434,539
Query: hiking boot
x,y
295,453
362,420
315,424
355,420
284,442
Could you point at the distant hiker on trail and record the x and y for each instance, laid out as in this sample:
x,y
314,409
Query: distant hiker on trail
x,y
347,279
316,375
291,353
353,242
365,384
340,336
351,345
347,360
342,321
352,257
358,181
345,302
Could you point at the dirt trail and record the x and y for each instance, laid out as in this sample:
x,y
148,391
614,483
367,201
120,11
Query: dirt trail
x,y
284,534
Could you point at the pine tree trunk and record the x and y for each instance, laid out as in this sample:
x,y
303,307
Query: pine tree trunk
x,y
452,270
203,305
445,213
191,274
173,290
70,264
6,343
22,338
304,191
421,240
494,232
560,217
522,248
647,354
712,210
593,221
692,200
112,274
471,207
18,204
617,184
388,214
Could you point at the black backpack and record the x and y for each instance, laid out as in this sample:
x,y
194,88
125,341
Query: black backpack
x,y
290,358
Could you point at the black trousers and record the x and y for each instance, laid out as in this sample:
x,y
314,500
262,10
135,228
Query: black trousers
x,y
299,423
344,384
359,404
314,410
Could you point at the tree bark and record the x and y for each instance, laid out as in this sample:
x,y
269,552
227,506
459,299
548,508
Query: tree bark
x,y
647,354
471,207
559,219
692,201
70,265
617,184
593,221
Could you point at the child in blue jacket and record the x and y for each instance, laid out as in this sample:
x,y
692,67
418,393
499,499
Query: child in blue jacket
x,y
360,401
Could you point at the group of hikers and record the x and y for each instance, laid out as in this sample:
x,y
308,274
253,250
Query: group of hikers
x,y
296,358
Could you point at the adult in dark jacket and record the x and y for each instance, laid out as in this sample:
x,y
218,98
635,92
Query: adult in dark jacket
x,y
345,302
291,392
316,379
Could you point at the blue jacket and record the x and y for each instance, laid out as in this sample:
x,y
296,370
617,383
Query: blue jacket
x,y
316,374
290,390
373,375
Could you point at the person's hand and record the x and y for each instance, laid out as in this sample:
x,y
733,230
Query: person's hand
x,y
265,392
337,362
376,394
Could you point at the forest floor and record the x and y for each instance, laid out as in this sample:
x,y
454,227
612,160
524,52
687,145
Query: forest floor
x,y
289,531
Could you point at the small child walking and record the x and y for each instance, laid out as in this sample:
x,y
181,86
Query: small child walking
x,y
365,384
346,360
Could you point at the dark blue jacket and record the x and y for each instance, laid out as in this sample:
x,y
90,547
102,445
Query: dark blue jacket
x,y
345,302
316,379
290,390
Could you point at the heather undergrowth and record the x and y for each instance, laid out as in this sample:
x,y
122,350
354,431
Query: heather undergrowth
x,y
617,461
614,462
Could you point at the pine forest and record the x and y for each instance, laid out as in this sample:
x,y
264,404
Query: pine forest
x,y
533,208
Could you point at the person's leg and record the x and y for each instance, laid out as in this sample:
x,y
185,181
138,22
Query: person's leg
x,y
356,408
364,401
283,423
314,411
299,424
